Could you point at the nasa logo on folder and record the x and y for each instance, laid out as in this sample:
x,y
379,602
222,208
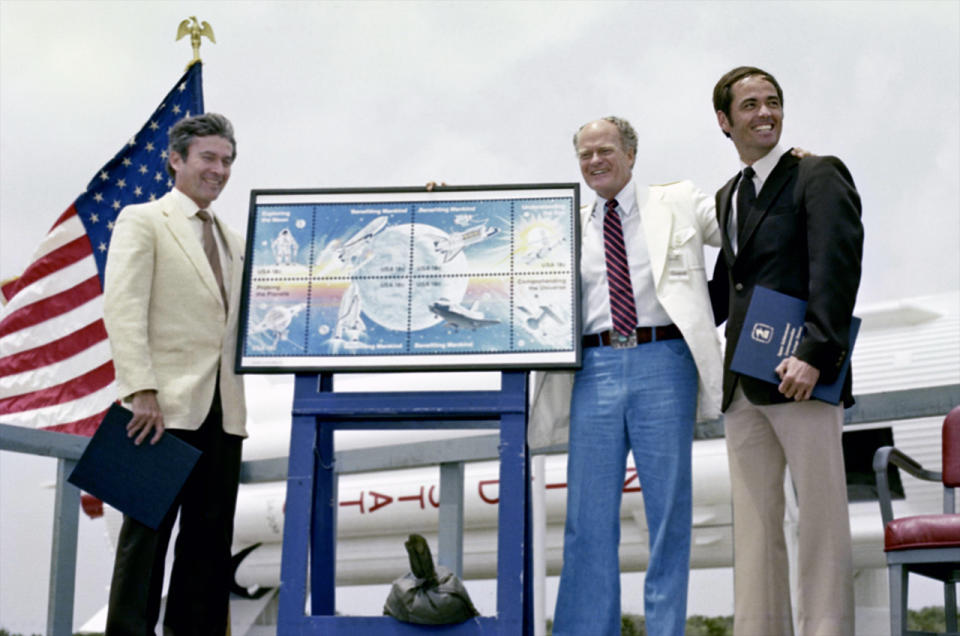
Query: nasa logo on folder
x,y
762,333
759,355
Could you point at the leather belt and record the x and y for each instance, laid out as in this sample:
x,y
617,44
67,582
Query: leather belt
x,y
643,336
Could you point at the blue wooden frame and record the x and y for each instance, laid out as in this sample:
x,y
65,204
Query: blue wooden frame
x,y
311,504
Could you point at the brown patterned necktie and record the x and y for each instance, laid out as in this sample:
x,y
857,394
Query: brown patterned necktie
x,y
623,309
213,254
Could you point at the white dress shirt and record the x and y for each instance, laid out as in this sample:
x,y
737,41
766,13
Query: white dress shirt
x,y
594,292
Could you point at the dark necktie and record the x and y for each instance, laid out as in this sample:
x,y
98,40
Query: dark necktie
x,y
746,197
623,309
213,254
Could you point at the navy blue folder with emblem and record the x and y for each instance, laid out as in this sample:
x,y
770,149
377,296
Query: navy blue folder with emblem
x,y
771,331
140,481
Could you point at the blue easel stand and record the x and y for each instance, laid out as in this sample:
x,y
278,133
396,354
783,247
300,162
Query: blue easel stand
x,y
309,535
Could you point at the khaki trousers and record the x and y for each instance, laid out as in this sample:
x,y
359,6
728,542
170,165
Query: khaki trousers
x,y
761,441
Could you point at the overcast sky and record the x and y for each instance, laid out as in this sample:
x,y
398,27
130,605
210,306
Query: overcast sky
x,y
395,94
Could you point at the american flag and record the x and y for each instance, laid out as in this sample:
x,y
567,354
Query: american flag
x,y
56,371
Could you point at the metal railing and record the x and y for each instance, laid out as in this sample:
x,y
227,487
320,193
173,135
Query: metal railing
x,y
451,453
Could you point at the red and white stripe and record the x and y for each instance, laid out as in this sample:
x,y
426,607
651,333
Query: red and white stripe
x,y
623,308
56,370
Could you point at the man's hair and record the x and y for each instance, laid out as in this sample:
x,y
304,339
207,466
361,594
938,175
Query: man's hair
x,y
628,136
723,91
187,129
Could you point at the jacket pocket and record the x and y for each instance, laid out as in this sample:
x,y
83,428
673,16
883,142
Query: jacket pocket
x,y
682,236
781,210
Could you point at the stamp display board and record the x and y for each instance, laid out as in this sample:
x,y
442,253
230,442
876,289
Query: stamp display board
x,y
467,277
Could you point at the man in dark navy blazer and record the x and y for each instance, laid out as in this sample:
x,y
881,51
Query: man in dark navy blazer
x,y
791,225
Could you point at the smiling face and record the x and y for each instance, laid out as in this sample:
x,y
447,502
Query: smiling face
x,y
203,173
605,165
756,118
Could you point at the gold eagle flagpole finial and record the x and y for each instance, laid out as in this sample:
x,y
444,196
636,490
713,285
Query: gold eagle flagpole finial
x,y
195,31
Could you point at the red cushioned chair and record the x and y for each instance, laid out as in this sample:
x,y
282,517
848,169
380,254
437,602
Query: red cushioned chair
x,y
926,544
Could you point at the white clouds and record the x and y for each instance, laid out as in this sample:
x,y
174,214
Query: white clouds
x,y
345,94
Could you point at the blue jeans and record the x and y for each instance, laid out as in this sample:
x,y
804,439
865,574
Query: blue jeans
x,y
645,400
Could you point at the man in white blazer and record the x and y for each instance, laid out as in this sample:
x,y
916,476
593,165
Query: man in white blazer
x,y
641,390
171,297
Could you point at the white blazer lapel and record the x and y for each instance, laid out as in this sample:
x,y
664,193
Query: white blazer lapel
x,y
186,238
657,228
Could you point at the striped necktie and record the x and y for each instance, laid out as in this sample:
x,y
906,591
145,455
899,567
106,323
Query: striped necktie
x,y
623,309
213,254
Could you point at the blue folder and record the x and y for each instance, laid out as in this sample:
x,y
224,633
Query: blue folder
x,y
140,481
771,331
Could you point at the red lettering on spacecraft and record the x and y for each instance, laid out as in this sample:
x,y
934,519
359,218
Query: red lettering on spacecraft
x,y
487,482
484,490
379,501
358,502
553,486
631,477
415,497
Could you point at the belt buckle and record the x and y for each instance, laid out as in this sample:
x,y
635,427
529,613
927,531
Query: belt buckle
x,y
620,341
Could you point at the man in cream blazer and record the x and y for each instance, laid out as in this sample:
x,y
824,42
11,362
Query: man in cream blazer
x,y
639,392
171,297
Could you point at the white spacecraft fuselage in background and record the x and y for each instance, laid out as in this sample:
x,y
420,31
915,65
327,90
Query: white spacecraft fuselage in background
x,y
910,344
